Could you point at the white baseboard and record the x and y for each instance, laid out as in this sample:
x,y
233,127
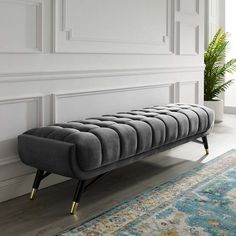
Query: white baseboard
x,y
19,186
229,110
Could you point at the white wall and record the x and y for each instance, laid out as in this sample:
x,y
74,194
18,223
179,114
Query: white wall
x,y
94,57
215,18
230,95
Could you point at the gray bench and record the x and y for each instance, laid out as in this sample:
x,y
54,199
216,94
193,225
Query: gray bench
x,y
89,148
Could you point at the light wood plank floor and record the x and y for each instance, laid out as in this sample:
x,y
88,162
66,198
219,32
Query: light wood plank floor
x,y
48,213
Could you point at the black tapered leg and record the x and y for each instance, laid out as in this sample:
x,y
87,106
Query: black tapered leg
x,y
205,143
37,180
78,192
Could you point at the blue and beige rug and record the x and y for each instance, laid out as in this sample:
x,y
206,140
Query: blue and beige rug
x,y
199,202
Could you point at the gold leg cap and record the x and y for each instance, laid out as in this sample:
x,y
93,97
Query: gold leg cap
x,y
33,193
74,208
207,151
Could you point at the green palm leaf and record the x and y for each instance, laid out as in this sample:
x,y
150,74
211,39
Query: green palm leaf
x,y
216,67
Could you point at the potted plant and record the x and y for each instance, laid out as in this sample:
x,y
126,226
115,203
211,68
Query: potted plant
x,y
214,75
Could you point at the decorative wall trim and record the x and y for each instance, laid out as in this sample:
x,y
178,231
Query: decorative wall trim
x,y
83,74
40,119
38,26
196,92
57,96
61,27
9,160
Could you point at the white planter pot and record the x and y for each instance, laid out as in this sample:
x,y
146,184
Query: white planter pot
x,y
218,107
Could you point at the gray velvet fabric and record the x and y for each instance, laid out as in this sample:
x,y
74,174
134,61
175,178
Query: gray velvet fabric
x,y
99,142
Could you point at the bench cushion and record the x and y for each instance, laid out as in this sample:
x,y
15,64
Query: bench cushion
x,y
108,139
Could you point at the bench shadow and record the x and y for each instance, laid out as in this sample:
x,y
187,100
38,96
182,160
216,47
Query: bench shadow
x,y
139,173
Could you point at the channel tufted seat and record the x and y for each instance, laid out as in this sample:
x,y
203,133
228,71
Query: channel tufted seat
x,y
87,148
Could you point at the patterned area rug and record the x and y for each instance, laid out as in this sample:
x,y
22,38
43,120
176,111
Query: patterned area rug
x,y
199,202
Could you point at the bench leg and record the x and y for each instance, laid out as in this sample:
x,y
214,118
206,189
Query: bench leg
x,y
205,143
78,192
37,180
40,175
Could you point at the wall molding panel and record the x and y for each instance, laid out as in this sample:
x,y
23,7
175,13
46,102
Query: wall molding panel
x,y
188,6
119,40
187,92
21,11
188,27
15,125
192,31
100,96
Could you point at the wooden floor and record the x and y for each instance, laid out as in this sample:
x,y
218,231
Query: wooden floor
x,y
48,213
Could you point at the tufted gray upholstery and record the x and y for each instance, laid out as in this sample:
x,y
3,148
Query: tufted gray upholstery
x,y
85,146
